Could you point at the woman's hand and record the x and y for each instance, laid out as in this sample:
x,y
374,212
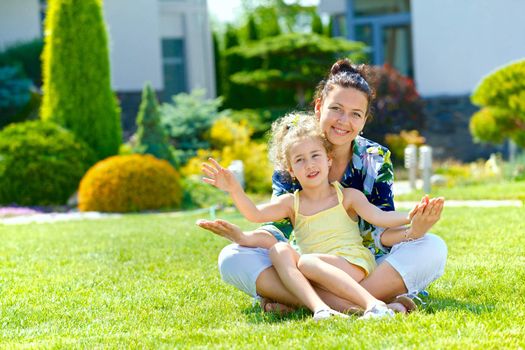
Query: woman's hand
x,y
219,177
428,213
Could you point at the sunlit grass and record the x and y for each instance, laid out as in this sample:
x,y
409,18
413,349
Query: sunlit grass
x,y
151,281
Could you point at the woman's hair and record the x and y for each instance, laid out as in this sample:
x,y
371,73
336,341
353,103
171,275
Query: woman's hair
x,y
288,130
345,74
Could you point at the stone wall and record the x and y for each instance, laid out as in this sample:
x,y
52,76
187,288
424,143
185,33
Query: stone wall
x,y
447,131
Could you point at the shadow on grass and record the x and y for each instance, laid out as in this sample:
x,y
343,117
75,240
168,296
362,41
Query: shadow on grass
x,y
434,305
255,314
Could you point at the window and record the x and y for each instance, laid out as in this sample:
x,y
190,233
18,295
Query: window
x,y
384,26
174,67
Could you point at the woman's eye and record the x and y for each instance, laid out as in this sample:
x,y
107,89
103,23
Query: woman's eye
x,y
357,116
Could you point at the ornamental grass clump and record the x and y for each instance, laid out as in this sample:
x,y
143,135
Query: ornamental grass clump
x,y
130,183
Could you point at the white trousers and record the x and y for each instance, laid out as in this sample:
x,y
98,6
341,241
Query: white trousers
x,y
419,262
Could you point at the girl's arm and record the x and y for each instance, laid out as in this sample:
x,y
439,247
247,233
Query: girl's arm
x,y
356,200
224,179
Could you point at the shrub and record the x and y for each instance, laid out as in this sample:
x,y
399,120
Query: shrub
x,y
398,142
26,55
188,120
502,96
231,142
198,194
130,183
397,106
77,89
151,138
40,163
18,100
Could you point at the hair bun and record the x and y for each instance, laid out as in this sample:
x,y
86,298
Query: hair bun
x,y
343,65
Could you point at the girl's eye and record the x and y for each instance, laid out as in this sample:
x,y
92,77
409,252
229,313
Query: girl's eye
x,y
315,156
299,160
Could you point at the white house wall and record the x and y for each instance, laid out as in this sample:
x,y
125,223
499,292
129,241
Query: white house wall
x,y
457,42
134,44
189,20
19,21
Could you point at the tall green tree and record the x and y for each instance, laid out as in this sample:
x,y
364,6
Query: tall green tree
x,y
317,24
218,64
252,32
151,136
293,61
502,98
231,36
76,75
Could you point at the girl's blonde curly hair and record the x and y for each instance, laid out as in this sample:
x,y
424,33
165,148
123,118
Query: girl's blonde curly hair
x,y
288,130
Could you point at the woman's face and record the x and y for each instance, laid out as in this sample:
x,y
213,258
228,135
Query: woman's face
x,y
342,114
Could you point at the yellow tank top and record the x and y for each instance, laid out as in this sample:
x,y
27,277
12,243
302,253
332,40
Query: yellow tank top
x,y
333,232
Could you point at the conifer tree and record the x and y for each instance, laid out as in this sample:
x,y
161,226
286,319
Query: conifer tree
x,y
151,137
76,74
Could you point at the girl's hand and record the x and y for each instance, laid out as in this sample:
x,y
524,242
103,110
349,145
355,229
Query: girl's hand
x,y
424,219
420,207
219,177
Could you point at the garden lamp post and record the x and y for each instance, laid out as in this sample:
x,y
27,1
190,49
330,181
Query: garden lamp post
x,y
411,164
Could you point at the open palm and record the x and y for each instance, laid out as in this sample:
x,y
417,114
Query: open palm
x,y
218,176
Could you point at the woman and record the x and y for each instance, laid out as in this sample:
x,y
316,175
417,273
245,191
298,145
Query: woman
x,y
408,259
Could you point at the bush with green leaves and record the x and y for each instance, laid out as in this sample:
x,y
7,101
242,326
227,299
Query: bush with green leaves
x,y
41,163
198,194
77,87
397,106
502,98
187,120
151,138
17,96
25,55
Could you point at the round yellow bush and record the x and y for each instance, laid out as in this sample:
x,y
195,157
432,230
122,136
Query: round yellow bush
x,y
129,183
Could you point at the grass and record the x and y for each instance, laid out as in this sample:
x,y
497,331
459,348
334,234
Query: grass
x,y
151,281
493,191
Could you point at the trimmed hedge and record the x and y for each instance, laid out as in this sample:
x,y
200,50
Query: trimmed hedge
x,y
41,163
501,95
77,87
130,183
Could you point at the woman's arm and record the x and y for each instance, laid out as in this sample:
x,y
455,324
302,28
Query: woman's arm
x,y
356,200
224,179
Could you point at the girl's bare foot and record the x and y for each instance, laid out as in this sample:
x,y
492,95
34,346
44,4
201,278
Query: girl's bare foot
x,y
268,305
222,228
402,304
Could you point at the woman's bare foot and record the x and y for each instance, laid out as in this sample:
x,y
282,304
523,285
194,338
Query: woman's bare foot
x,y
402,304
223,229
268,305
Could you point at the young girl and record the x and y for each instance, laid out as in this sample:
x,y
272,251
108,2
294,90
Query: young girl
x,y
323,214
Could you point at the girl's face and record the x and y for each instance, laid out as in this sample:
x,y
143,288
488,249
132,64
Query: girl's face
x,y
309,162
342,114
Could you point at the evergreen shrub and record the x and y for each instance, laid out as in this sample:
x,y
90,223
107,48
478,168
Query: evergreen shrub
x,y
130,183
76,73
41,163
151,138
25,55
18,100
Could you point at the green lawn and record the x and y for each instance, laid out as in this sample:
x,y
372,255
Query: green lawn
x,y
151,281
496,191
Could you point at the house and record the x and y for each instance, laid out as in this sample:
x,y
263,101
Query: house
x,y
446,46
165,42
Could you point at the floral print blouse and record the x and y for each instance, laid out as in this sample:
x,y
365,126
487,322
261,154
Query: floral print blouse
x,y
371,172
